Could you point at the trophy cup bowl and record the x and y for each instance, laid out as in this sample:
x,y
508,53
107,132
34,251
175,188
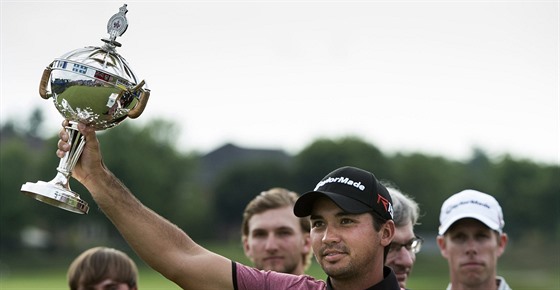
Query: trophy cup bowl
x,y
93,85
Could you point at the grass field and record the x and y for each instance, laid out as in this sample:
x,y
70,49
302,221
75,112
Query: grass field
x,y
523,270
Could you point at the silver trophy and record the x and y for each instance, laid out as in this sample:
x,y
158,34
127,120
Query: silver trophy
x,y
94,85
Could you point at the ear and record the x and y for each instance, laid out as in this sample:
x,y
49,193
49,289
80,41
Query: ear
x,y
502,243
306,243
387,233
442,245
246,248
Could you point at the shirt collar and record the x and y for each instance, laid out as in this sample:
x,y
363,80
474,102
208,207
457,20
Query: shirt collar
x,y
389,281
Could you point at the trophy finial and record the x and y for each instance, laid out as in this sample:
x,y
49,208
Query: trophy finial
x,y
116,26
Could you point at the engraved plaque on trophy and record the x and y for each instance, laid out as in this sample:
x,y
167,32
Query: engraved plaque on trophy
x,y
94,85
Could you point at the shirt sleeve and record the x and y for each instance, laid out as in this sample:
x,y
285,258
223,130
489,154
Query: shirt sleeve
x,y
248,278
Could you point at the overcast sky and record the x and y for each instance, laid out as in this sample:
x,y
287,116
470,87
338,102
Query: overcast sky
x,y
437,77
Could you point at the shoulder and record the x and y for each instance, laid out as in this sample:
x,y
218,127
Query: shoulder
x,y
389,280
251,278
502,285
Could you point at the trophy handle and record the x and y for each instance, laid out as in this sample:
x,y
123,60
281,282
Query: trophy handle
x,y
139,108
45,81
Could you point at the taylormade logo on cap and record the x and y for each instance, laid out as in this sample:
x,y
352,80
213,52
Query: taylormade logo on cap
x,y
475,202
344,180
352,189
471,204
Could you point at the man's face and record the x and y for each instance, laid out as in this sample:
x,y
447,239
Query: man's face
x,y
345,245
276,241
400,259
472,251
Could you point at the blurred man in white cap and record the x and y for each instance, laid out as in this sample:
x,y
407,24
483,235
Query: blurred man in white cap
x,y
471,238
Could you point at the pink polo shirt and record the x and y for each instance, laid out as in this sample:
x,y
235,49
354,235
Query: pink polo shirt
x,y
248,278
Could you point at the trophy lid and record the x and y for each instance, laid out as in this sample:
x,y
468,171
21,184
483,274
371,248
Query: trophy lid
x,y
103,61
105,64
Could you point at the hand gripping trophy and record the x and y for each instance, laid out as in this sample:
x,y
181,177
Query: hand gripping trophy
x,y
94,85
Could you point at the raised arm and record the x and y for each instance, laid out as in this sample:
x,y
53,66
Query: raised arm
x,y
160,243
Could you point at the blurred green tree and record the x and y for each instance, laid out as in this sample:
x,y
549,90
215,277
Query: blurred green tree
x,y
236,186
325,155
17,163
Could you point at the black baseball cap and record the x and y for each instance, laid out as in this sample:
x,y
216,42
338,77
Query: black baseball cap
x,y
352,189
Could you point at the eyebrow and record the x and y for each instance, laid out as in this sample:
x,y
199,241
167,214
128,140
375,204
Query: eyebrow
x,y
314,217
273,229
338,214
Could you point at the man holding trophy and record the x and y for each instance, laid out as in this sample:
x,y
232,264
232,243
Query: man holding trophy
x,y
349,243
94,89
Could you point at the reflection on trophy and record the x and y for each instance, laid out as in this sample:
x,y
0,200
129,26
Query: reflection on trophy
x,y
94,85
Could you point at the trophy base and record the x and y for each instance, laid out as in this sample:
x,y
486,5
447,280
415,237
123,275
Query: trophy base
x,y
56,196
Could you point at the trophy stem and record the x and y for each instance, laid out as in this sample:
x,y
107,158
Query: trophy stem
x,y
57,192
77,143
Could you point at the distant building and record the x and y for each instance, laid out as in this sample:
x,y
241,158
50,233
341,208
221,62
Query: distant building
x,y
223,158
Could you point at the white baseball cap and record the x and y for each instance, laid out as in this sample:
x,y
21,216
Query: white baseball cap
x,y
471,204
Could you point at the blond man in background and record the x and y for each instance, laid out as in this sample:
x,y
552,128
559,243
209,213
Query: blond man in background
x,y
273,237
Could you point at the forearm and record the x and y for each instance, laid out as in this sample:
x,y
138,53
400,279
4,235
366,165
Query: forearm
x,y
133,220
161,244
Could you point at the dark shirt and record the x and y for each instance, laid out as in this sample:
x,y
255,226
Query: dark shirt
x,y
389,281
